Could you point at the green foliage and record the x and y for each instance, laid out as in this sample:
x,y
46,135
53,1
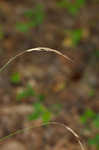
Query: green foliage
x,y
23,27
75,36
72,7
35,17
40,111
96,121
26,93
40,97
15,78
94,141
90,115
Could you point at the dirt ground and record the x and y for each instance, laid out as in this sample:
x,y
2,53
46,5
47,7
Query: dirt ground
x,y
61,81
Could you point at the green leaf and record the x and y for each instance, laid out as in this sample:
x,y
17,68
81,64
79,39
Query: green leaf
x,y
72,9
28,92
40,111
46,116
94,141
88,114
39,14
63,3
15,78
80,3
41,97
23,27
34,116
35,16
76,36
96,121
29,13
39,107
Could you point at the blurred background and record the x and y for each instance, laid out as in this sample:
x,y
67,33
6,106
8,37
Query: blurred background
x,y
42,87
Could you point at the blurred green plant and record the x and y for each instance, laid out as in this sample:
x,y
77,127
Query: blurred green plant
x,y
26,93
35,18
39,110
94,141
72,7
87,115
15,78
75,36
40,97
90,115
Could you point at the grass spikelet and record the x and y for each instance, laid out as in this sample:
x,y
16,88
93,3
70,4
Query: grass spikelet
x,y
31,50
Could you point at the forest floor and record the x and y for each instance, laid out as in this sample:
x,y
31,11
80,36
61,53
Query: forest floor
x,y
67,89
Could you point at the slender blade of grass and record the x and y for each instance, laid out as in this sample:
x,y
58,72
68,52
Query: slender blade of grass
x,y
31,50
45,124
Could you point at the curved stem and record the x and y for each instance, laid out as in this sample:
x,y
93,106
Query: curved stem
x,y
44,124
31,50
